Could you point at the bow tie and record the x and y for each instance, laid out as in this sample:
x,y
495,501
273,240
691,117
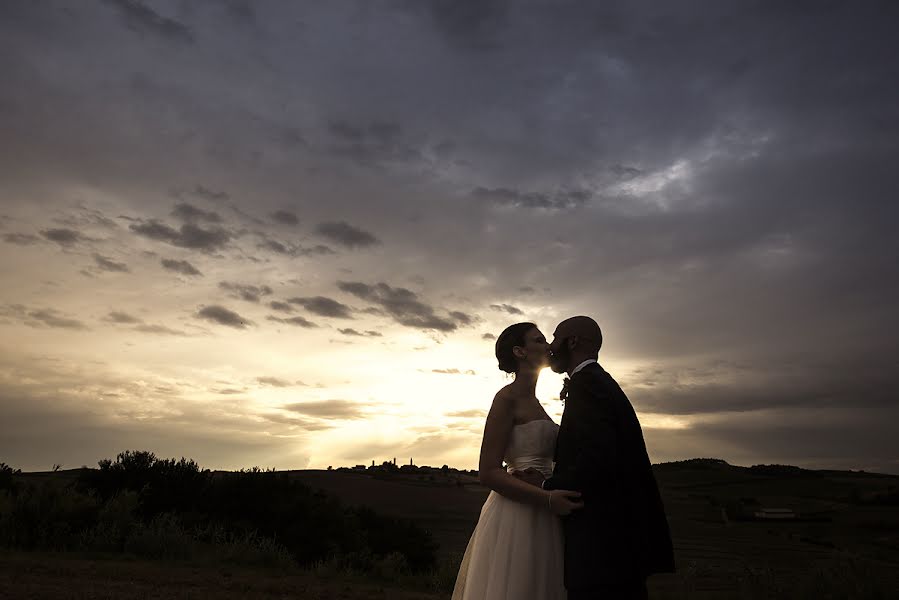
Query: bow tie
x,y
564,393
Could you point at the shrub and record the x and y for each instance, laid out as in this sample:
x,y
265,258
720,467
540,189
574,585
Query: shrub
x,y
45,516
6,476
168,509
162,538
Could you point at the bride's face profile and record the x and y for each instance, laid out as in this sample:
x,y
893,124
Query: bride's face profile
x,y
535,351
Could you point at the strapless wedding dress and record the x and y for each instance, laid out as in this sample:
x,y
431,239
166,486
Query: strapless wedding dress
x,y
516,550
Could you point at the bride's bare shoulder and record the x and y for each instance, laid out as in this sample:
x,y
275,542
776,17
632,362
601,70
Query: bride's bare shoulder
x,y
504,398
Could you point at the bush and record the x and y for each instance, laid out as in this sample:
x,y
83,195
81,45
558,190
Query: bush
x,y
162,538
164,485
6,476
45,516
115,523
168,509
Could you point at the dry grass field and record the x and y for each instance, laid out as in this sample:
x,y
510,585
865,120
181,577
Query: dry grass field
x,y
61,577
845,547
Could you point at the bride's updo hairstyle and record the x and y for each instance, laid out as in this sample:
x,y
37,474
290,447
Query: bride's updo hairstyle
x,y
512,336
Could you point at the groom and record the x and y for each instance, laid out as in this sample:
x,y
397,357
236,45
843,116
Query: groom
x,y
621,534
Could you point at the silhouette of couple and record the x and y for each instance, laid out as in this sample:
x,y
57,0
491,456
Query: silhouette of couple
x,y
592,525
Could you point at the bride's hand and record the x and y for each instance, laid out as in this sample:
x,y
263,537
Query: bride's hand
x,y
562,502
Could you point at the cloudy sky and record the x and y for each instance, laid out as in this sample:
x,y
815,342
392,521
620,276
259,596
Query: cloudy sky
x,y
284,234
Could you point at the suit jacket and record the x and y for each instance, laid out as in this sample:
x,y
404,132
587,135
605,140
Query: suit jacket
x,y
621,534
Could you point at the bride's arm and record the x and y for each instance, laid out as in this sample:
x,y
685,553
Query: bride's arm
x,y
497,430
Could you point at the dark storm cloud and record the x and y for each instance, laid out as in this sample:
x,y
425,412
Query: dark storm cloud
x,y
21,239
328,409
181,266
734,197
563,200
250,293
346,235
142,19
188,236
353,333
117,316
507,308
488,336
63,237
376,144
223,316
724,388
191,214
241,10
295,321
323,306
284,217
106,264
402,305
470,24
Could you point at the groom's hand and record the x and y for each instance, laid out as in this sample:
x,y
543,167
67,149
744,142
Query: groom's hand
x,y
563,502
530,475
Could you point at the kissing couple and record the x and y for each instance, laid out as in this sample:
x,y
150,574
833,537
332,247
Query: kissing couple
x,y
576,513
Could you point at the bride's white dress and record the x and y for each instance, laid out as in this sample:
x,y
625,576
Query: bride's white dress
x,y
516,550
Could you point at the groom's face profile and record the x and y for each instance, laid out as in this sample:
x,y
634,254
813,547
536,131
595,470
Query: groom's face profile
x,y
559,354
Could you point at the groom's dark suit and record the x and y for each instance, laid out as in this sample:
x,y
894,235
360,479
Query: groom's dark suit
x,y
621,534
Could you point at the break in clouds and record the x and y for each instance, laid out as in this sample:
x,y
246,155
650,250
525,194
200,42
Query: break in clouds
x,y
243,196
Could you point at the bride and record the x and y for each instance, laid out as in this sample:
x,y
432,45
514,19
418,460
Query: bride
x,y
515,552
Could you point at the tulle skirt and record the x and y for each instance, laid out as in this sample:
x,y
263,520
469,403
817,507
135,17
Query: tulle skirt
x,y
515,553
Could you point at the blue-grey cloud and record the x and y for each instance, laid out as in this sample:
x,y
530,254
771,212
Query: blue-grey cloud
x,y
143,19
63,236
328,409
403,306
181,266
190,214
117,316
250,293
107,264
324,306
285,217
280,306
507,308
21,239
347,235
42,317
349,331
295,321
223,316
188,235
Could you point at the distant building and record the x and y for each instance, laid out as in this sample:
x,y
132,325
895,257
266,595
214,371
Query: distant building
x,y
359,468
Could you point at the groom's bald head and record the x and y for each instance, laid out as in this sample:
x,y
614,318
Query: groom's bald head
x,y
585,329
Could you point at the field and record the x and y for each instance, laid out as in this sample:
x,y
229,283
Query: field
x,y
844,542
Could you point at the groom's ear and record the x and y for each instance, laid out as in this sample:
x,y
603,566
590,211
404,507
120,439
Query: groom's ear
x,y
572,342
